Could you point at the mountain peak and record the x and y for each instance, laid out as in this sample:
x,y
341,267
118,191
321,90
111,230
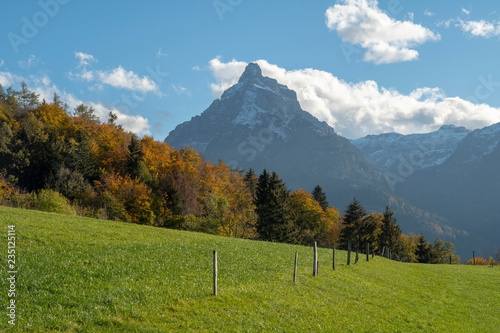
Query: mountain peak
x,y
252,71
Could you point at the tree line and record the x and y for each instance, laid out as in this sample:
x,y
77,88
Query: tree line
x,y
69,161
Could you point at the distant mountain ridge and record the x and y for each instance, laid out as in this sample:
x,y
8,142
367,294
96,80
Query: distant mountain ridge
x,y
465,188
258,123
390,151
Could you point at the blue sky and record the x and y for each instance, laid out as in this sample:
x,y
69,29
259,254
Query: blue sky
x,y
363,66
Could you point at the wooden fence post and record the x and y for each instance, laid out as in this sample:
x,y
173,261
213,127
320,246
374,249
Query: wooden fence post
x,y
215,273
295,267
356,261
315,264
367,251
349,252
450,260
474,257
333,263
383,251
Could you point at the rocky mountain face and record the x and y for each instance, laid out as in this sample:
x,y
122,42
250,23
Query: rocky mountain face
x,y
259,123
393,152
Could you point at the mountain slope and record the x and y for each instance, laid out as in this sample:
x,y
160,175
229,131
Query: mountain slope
x,y
258,123
465,188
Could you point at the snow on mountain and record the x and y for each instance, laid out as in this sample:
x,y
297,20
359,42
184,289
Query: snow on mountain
x,y
393,151
479,143
256,106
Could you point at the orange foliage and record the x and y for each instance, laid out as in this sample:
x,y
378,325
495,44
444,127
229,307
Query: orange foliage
x,y
5,188
483,261
156,156
53,116
109,147
132,193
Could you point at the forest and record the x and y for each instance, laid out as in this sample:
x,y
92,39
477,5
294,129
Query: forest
x,y
70,161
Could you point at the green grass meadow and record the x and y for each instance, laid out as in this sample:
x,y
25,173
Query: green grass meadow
x,y
83,275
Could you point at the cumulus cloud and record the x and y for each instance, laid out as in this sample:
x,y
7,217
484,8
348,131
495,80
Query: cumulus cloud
x,y
362,108
121,78
118,77
480,28
474,28
386,40
225,74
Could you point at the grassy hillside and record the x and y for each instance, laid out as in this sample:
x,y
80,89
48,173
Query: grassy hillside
x,y
83,275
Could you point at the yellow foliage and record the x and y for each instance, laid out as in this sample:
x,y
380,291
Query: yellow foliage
x,y
5,189
483,261
132,193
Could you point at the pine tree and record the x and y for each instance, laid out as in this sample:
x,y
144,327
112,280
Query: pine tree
x,y
391,232
250,180
274,222
135,161
353,220
86,112
320,197
423,252
27,98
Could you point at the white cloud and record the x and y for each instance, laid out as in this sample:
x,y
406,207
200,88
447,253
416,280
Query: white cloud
x,y
480,28
2,63
359,109
427,12
196,68
32,61
361,22
226,74
118,77
85,59
8,79
465,11
121,78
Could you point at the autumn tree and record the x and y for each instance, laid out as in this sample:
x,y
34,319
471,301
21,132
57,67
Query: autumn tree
x,y
442,251
308,217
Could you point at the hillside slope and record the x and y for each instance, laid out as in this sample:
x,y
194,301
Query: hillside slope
x,y
78,274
